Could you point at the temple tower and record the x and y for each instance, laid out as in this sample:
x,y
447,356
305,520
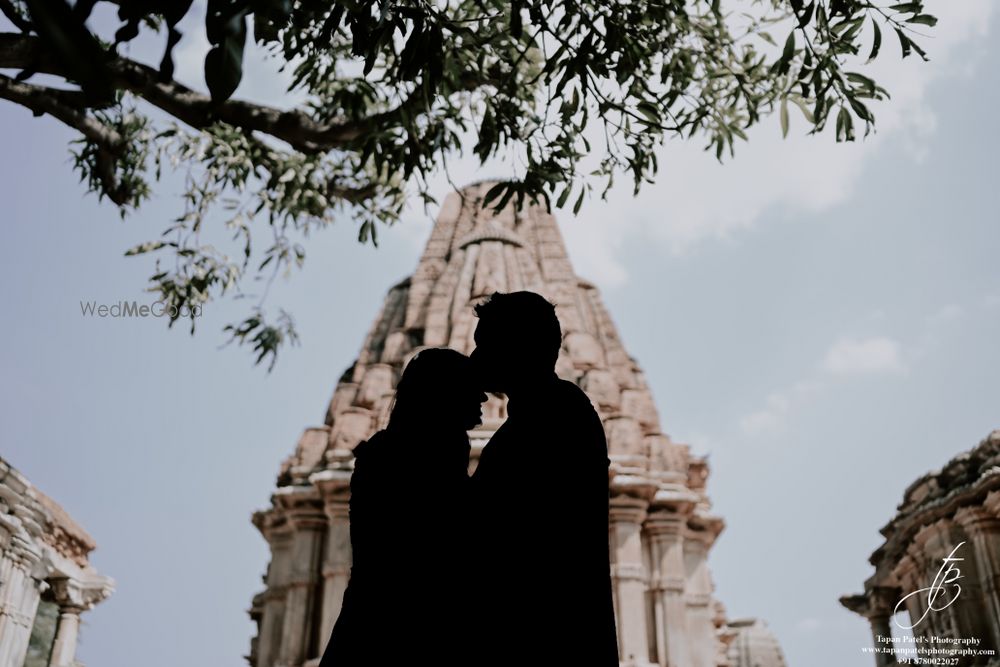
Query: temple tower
x,y
661,522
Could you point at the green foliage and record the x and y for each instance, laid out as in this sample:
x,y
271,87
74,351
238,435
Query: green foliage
x,y
571,93
117,172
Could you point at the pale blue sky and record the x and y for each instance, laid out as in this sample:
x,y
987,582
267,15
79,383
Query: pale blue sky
x,y
821,320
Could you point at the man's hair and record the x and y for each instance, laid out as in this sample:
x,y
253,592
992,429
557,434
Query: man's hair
x,y
526,318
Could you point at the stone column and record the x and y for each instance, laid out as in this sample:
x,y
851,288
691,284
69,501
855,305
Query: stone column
x,y
300,631
881,602
629,578
983,528
666,532
74,596
880,627
336,567
70,600
273,616
698,598
909,573
64,646
877,605
19,594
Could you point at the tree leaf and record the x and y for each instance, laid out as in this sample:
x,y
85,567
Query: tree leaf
x,y
923,19
224,62
876,43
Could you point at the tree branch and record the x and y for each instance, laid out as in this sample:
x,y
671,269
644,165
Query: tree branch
x,y
296,128
10,11
69,106
64,105
353,195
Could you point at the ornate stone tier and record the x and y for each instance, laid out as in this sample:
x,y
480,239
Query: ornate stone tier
x,y
46,581
956,507
661,521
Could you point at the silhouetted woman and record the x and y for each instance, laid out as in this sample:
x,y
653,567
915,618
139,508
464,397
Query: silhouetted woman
x,y
404,603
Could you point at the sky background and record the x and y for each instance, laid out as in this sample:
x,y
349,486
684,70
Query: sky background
x,y
820,319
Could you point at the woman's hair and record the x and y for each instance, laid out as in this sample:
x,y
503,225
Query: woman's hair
x,y
429,387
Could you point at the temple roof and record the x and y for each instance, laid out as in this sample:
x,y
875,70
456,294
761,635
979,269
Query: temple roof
x,y
965,480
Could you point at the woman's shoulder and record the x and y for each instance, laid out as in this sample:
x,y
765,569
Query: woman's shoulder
x,y
372,448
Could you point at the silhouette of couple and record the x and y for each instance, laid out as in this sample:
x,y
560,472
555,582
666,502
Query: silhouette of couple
x,y
507,567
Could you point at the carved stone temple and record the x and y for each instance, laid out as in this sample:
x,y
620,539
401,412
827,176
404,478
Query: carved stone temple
x,y
950,512
46,581
662,526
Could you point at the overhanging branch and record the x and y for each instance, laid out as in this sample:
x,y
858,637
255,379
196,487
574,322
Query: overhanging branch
x,y
69,107
295,127
62,104
8,9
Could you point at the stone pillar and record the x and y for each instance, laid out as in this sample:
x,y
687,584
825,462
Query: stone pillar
x,y
983,528
64,646
877,604
880,627
273,616
300,630
19,594
666,533
963,618
629,577
698,598
909,573
73,597
336,567
69,597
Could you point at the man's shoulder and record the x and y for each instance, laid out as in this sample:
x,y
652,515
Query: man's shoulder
x,y
572,397
579,420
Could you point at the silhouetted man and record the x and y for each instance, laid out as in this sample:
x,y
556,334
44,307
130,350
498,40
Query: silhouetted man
x,y
541,494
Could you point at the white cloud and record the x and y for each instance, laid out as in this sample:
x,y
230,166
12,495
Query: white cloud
x,y
778,406
696,199
850,356
768,419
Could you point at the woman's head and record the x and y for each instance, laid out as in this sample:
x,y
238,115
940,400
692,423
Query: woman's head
x,y
437,389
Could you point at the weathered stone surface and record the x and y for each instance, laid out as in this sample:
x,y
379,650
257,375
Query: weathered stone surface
x,y
309,453
600,385
379,379
351,427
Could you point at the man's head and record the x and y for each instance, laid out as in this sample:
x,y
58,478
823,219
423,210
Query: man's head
x,y
517,340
